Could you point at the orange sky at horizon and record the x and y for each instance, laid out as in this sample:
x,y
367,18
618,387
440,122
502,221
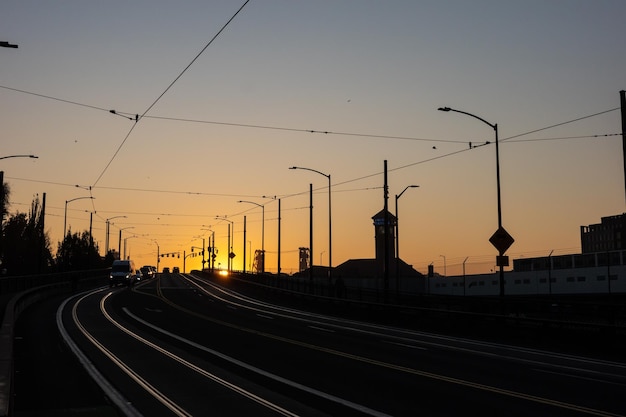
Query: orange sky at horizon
x,y
338,88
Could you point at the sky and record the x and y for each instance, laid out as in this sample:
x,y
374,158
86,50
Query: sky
x,y
338,87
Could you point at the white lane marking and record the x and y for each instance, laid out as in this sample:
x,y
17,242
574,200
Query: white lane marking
x,y
313,391
166,401
545,356
193,367
265,316
322,329
405,345
113,394
577,376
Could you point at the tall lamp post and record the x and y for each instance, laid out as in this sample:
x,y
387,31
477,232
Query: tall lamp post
x,y
211,246
330,227
125,240
262,232
231,225
500,239
107,231
398,238
158,254
65,218
119,249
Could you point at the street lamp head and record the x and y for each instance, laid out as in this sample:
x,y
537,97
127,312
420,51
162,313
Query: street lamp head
x,y
19,156
444,109
414,186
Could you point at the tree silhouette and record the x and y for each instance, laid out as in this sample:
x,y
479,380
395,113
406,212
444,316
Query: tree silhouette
x,y
26,247
78,252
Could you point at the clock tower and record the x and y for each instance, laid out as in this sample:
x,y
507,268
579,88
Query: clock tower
x,y
384,237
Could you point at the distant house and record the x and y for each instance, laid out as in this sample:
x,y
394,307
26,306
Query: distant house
x,y
370,273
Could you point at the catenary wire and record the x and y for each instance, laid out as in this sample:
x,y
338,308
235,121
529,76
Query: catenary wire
x,y
166,90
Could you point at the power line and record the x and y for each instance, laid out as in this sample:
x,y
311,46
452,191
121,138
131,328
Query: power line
x,y
567,138
300,130
560,124
53,98
166,90
133,116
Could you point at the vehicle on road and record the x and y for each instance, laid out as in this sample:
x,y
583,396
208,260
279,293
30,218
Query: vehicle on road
x,y
123,272
166,270
147,272
176,270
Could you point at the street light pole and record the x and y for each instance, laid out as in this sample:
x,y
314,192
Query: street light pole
x,y
158,254
229,248
330,227
495,128
119,249
398,238
107,232
65,217
262,232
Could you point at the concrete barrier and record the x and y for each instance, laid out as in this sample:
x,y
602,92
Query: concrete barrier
x,y
15,306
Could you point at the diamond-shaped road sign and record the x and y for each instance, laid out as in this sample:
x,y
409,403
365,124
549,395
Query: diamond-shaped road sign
x,y
501,240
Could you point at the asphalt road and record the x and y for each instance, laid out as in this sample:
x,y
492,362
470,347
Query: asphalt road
x,y
49,381
181,346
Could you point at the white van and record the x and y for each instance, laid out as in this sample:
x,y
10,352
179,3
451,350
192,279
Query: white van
x,y
123,272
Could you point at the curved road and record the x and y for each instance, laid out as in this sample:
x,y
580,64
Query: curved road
x,y
182,345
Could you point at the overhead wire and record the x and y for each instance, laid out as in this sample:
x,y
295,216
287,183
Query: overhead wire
x,y
559,124
166,90
90,188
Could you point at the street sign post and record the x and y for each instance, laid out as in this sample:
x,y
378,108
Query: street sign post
x,y
501,240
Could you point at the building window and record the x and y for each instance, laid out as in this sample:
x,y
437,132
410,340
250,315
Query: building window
x,y
600,277
570,279
542,280
582,279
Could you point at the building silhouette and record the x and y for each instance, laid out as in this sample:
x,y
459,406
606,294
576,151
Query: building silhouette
x,y
605,236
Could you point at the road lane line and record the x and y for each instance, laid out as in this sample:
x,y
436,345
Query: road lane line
x,y
585,378
293,384
113,394
400,368
193,367
404,345
159,396
322,329
519,350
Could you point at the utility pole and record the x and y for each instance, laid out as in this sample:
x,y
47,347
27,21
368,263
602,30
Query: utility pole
x,y
278,238
386,237
311,235
244,245
622,95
